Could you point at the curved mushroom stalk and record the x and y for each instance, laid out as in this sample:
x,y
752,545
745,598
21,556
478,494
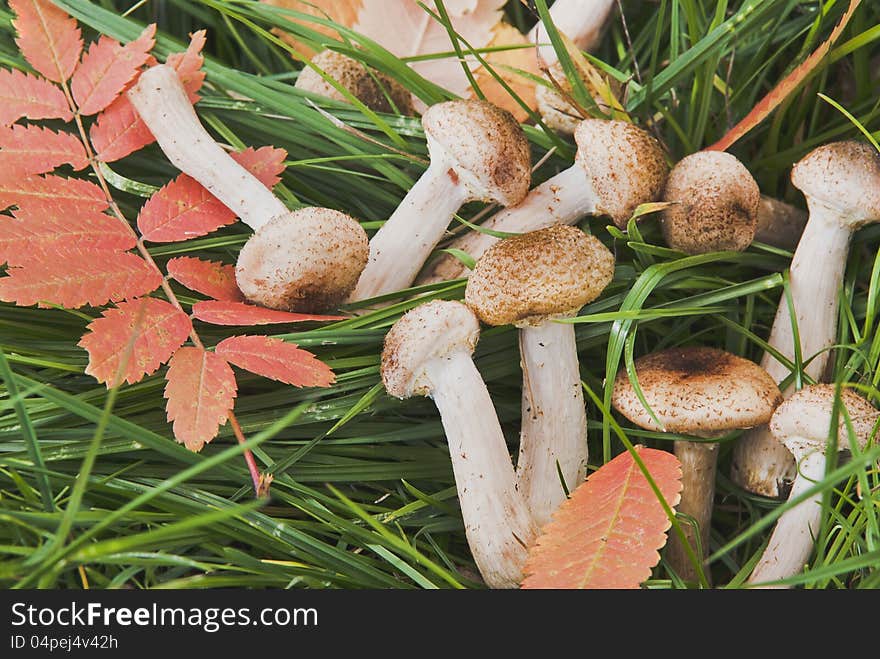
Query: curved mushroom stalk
x,y
582,21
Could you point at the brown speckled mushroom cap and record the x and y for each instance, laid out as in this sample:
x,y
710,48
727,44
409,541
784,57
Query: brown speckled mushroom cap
x,y
525,279
804,419
697,391
844,176
371,88
716,204
308,260
488,149
625,164
432,330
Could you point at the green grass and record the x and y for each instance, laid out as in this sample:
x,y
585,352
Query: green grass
x,y
363,495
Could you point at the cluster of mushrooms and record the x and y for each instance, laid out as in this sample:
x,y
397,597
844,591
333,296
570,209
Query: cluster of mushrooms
x,y
313,259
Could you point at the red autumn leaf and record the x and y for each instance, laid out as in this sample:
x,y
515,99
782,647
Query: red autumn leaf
x,y
107,68
28,150
785,88
221,312
200,391
37,191
134,339
183,209
266,163
73,277
277,360
608,533
49,39
119,130
53,226
24,95
210,278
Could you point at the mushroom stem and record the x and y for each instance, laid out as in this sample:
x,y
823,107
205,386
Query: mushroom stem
x,y
760,463
580,20
791,542
553,437
561,199
496,520
404,242
161,101
698,462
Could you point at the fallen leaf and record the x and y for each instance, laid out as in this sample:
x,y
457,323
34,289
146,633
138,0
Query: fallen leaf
x,y
25,95
29,150
276,359
35,191
210,278
220,312
344,12
49,39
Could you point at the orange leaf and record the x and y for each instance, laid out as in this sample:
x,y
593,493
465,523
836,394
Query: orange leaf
x,y
49,39
344,12
28,150
137,337
56,225
276,359
73,277
120,131
200,391
107,68
221,312
786,87
183,209
210,278
523,59
24,95
37,191
608,533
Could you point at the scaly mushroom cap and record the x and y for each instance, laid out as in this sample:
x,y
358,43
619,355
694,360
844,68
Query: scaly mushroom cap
x,y
804,419
716,204
433,330
308,260
844,176
625,164
488,149
371,88
556,110
697,391
525,279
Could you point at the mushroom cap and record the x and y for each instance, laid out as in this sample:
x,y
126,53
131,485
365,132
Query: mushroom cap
x,y
528,278
625,164
307,260
804,419
370,87
485,146
844,176
697,391
433,330
716,205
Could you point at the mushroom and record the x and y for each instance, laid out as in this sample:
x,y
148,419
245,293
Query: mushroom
x,y
618,166
428,353
715,204
306,260
529,281
803,424
582,21
841,182
704,392
557,111
478,152
779,224
376,90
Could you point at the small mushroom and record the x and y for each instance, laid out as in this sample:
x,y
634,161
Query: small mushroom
x,y
557,111
618,166
306,260
704,392
478,153
528,281
841,182
803,424
376,90
428,353
582,21
779,224
715,204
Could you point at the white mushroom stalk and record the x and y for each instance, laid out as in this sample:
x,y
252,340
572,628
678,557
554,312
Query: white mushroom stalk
x,y
286,264
618,166
582,21
704,392
803,425
478,153
529,281
841,182
428,353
